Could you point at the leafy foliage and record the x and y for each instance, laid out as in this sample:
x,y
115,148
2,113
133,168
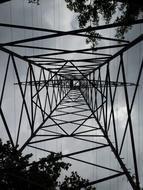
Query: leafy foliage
x,y
17,173
37,2
91,11
12,167
47,171
74,182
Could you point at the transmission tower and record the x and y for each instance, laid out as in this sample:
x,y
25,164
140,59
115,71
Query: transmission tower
x,y
71,99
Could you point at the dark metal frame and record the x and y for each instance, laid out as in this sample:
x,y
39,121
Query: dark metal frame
x,y
64,82
4,1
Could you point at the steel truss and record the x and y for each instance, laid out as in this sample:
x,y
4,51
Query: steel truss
x,y
55,89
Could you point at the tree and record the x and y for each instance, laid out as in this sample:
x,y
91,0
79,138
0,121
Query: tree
x,y
34,1
17,173
74,182
90,12
12,163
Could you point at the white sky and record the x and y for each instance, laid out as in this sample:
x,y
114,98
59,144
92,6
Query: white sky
x,y
54,15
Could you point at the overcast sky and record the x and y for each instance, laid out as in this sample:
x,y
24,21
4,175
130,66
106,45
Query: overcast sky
x,y
54,15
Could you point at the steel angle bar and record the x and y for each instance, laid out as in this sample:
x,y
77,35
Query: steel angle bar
x,y
4,82
42,149
57,124
120,52
53,137
90,141
89,136
68,113
37,87
130,125
72,121
31,94
24,59
61,52
109,47
114,94
65,51
112,109
85,76
85,150
119,173
89,117
49,36
103,91
22,93
139,21
43,111
38,96
80,109
49,80
132,103
86,131
102,180
41,125
47,99
90,60
28,28
125,170
6,127
75,32
92,164
88,126
50,131
22,109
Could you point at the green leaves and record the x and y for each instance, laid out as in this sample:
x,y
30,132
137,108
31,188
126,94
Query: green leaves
x,y
90,13
92,39
17,173
74,182
12,167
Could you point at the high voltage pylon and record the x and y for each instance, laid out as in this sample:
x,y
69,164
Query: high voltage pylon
x,y
58,97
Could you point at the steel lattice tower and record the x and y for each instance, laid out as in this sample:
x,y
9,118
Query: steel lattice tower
x,y
71,98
